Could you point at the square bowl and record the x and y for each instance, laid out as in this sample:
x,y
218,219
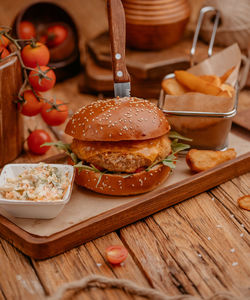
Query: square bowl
x,y
29,208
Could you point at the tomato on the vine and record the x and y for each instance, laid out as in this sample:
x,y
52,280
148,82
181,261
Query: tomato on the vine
x,y
4,41
54,113
35,54
42,82
31,105
36,139
27,30
56,35
3,52
116,254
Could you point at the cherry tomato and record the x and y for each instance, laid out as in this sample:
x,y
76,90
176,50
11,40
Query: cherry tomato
x,y
27,30
41,82
116,254
3,52
54,114
32,106
35,54
56,35
4,41
36,139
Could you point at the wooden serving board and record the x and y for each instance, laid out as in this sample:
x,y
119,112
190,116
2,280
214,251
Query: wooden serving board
x,y
89,215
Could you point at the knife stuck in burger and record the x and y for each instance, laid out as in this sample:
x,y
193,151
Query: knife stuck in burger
x,y
121,146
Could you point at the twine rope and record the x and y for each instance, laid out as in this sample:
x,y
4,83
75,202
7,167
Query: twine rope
x,y
130,287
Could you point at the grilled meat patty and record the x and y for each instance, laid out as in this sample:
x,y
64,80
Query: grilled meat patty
x,y
122,156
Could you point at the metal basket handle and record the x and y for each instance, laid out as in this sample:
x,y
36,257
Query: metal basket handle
x,y
203,11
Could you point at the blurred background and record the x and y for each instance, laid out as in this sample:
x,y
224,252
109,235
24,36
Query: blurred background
x,y
156,49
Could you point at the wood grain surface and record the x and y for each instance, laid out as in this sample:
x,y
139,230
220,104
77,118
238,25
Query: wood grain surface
x,y
41,247
197,247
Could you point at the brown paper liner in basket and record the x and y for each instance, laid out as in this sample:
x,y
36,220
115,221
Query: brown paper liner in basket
x,y
206,132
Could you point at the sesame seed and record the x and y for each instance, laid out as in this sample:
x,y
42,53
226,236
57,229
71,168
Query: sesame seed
x,y
232,250
209,238
235,263
242,234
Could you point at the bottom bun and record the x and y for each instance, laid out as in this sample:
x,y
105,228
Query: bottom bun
x,y
115,184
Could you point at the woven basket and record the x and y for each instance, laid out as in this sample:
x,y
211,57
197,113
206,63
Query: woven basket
x,y
234,23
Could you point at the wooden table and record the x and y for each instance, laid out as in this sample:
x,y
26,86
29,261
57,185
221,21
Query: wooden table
x,y
198,247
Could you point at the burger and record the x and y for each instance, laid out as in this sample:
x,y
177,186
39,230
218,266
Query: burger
x,y
120,146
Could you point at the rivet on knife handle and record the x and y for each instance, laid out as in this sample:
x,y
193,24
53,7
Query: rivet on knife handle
x,y
117,31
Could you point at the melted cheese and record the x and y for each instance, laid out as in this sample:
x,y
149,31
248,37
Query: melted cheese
x,y
149,149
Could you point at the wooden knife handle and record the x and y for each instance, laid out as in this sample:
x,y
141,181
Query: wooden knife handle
x,y
117,32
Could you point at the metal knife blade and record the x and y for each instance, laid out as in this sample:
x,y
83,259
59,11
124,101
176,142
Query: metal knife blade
x,y
122,89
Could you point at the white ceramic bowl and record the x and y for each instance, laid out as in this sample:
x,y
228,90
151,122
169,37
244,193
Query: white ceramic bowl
x,y
33,209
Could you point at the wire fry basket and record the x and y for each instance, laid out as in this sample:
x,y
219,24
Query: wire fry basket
x,y
214,136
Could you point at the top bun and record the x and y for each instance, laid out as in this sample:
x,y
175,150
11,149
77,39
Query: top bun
x,y
118,119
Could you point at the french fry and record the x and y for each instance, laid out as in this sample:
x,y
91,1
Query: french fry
x,y
202,160
225,94
172,87
213,79
224,77
196,84
228,88
244,202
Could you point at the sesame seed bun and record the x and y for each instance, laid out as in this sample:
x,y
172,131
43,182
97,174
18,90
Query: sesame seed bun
x,y
118,119
115,184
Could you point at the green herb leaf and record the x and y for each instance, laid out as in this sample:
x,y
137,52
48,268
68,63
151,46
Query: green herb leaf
x,y
167,161
128,175
80,166
100,177
95,169
169,164
177,147
74,157
176,135
60,145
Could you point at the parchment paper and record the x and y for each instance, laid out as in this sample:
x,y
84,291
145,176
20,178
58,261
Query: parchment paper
x,y
85,204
